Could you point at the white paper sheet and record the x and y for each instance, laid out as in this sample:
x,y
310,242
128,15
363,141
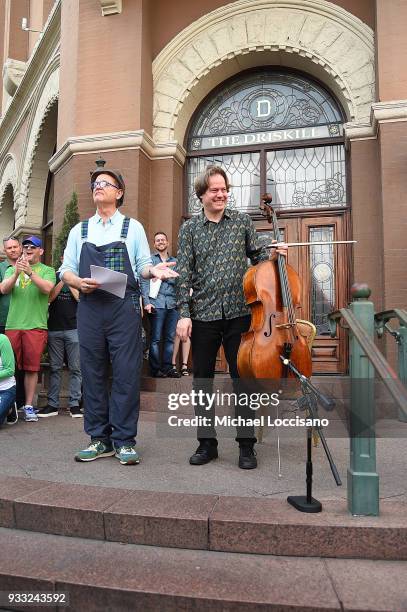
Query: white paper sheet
x,y
109,280
154,287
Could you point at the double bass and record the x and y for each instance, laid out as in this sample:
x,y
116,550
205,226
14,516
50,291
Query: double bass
x,y
273,293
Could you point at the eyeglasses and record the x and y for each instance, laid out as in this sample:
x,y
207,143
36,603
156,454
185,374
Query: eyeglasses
x,y
29,247
102,184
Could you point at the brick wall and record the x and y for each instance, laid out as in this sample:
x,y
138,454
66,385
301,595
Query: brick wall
x,y
391,44
393,157
366,217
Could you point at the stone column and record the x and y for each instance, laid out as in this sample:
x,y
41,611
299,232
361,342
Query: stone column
x,y
105,102
15,50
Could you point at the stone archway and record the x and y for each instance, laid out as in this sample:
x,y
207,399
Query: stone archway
x,y
8,176
40,141
314,35
8,191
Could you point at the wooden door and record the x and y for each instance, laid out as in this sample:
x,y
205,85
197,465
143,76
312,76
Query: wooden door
x,y
325,270
324,274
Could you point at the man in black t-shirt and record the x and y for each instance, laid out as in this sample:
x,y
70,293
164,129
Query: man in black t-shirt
x,y
63,341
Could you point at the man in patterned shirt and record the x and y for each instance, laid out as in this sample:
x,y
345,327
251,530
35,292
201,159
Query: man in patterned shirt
x,y
213,248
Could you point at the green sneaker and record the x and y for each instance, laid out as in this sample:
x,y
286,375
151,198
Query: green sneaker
x,y
127,455
95,450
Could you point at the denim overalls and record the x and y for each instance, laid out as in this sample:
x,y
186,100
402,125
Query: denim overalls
x,y
109,330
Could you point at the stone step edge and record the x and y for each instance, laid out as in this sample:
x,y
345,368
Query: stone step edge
x,y
202,522
109,576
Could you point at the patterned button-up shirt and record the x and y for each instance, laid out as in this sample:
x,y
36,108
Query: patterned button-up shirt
x,y
212,260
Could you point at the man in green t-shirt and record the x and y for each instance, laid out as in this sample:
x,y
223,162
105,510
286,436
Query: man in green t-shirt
x,y
12,249
29,283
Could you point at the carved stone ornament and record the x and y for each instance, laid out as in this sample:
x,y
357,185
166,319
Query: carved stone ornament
x,y
48,97
334,43
110,7
8,176
13,72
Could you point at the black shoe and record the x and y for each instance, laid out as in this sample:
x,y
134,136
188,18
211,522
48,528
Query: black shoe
x,y
173,373
76,412
247,456
159,374
206,451
48,411
12,416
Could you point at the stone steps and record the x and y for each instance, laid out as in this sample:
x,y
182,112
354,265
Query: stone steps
x,y
118,550
204,522
99,575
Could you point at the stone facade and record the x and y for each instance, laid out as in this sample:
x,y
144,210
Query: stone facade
x,y
124,78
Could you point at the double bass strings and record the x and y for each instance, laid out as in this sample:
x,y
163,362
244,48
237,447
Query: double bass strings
x,y
285,289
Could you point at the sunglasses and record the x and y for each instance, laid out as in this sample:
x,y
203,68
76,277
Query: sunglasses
x,y
30,247
102,184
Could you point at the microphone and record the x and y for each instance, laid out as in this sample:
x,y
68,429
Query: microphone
x,y
327,403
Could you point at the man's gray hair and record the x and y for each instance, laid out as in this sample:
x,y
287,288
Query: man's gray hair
x,y
10,238
202,182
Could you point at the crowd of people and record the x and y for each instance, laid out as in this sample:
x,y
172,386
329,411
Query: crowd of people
x,y
193,301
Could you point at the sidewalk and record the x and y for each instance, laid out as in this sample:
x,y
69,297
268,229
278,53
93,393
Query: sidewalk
x,y
45,450
135,539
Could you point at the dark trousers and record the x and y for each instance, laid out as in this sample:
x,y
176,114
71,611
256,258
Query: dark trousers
x,y
7,399
19,376
163,323
207,338
110,332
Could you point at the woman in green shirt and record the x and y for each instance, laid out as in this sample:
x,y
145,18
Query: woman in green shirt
x,y
7,380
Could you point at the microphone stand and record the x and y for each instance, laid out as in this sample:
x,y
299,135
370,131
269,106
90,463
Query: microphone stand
x,y
311,395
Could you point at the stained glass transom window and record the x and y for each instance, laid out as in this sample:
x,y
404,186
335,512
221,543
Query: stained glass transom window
x,y
243,170
259,110
265,107
313,177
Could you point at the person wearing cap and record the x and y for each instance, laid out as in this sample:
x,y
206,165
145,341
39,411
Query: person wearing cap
x,y
29,283
109,327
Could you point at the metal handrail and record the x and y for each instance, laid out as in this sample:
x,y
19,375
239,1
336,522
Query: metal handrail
x,y
376,358
382,318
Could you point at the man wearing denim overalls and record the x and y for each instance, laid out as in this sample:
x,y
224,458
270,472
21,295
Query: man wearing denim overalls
x,y
109,327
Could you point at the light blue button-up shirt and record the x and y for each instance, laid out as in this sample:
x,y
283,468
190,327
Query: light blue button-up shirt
x,y
166,295
100,233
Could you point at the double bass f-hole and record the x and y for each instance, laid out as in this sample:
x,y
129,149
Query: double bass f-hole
x,y
268,333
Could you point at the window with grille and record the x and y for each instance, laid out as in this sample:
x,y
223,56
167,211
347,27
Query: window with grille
x,y
275,131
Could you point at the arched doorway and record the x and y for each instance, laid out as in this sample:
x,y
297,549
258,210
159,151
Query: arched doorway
x,y
7,221
280,131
